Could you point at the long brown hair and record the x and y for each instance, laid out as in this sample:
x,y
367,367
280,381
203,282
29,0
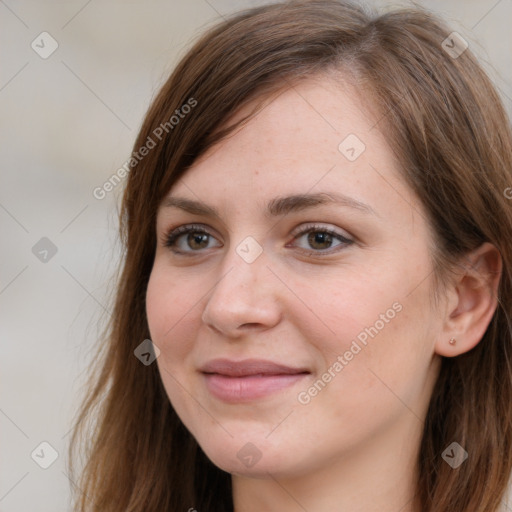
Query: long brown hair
x,y
446,124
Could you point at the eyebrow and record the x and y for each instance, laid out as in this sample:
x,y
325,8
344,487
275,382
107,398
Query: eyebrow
x,y
275,207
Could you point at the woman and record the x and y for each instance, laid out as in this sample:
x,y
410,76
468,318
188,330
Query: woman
x,y
319,247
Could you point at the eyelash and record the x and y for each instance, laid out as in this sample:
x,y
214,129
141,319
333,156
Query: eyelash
x,y
170,238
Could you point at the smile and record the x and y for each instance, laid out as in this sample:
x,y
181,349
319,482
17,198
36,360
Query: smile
x,y
248,380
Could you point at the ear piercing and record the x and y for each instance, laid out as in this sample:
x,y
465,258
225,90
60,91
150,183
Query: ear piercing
x,y
452,341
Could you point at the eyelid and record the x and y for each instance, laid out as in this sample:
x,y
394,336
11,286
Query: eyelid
x,y
303,228
345,240
184,229
172,235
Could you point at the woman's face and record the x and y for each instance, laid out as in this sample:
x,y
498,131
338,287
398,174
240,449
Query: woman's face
x,y
294,323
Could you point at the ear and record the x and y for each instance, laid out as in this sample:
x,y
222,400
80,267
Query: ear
x,y
473,298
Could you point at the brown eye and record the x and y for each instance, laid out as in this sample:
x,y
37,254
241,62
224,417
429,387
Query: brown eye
x,y
196,240
188,239
320,239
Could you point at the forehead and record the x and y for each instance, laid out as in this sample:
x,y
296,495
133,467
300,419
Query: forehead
x,y
314,136
304,120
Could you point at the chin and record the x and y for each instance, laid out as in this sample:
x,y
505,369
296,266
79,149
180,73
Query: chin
x,y
254,459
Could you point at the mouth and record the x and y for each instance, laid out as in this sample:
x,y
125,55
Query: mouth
x,y
250,379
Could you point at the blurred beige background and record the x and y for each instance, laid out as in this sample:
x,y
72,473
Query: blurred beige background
x,y
68,121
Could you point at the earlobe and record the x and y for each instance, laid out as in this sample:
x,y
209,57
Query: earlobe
x,y
475,299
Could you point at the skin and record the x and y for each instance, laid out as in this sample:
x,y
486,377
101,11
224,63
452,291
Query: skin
x,y
354,444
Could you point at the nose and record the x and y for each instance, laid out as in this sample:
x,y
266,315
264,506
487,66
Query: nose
x,y
244,298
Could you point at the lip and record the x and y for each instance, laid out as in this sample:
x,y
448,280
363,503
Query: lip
x,y
249,379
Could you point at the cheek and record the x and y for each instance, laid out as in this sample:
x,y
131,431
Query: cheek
x,y
158,311
378,321
372,385
171,315
356,306
173,321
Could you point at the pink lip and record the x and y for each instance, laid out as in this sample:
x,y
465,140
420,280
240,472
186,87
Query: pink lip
x,y
250,379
